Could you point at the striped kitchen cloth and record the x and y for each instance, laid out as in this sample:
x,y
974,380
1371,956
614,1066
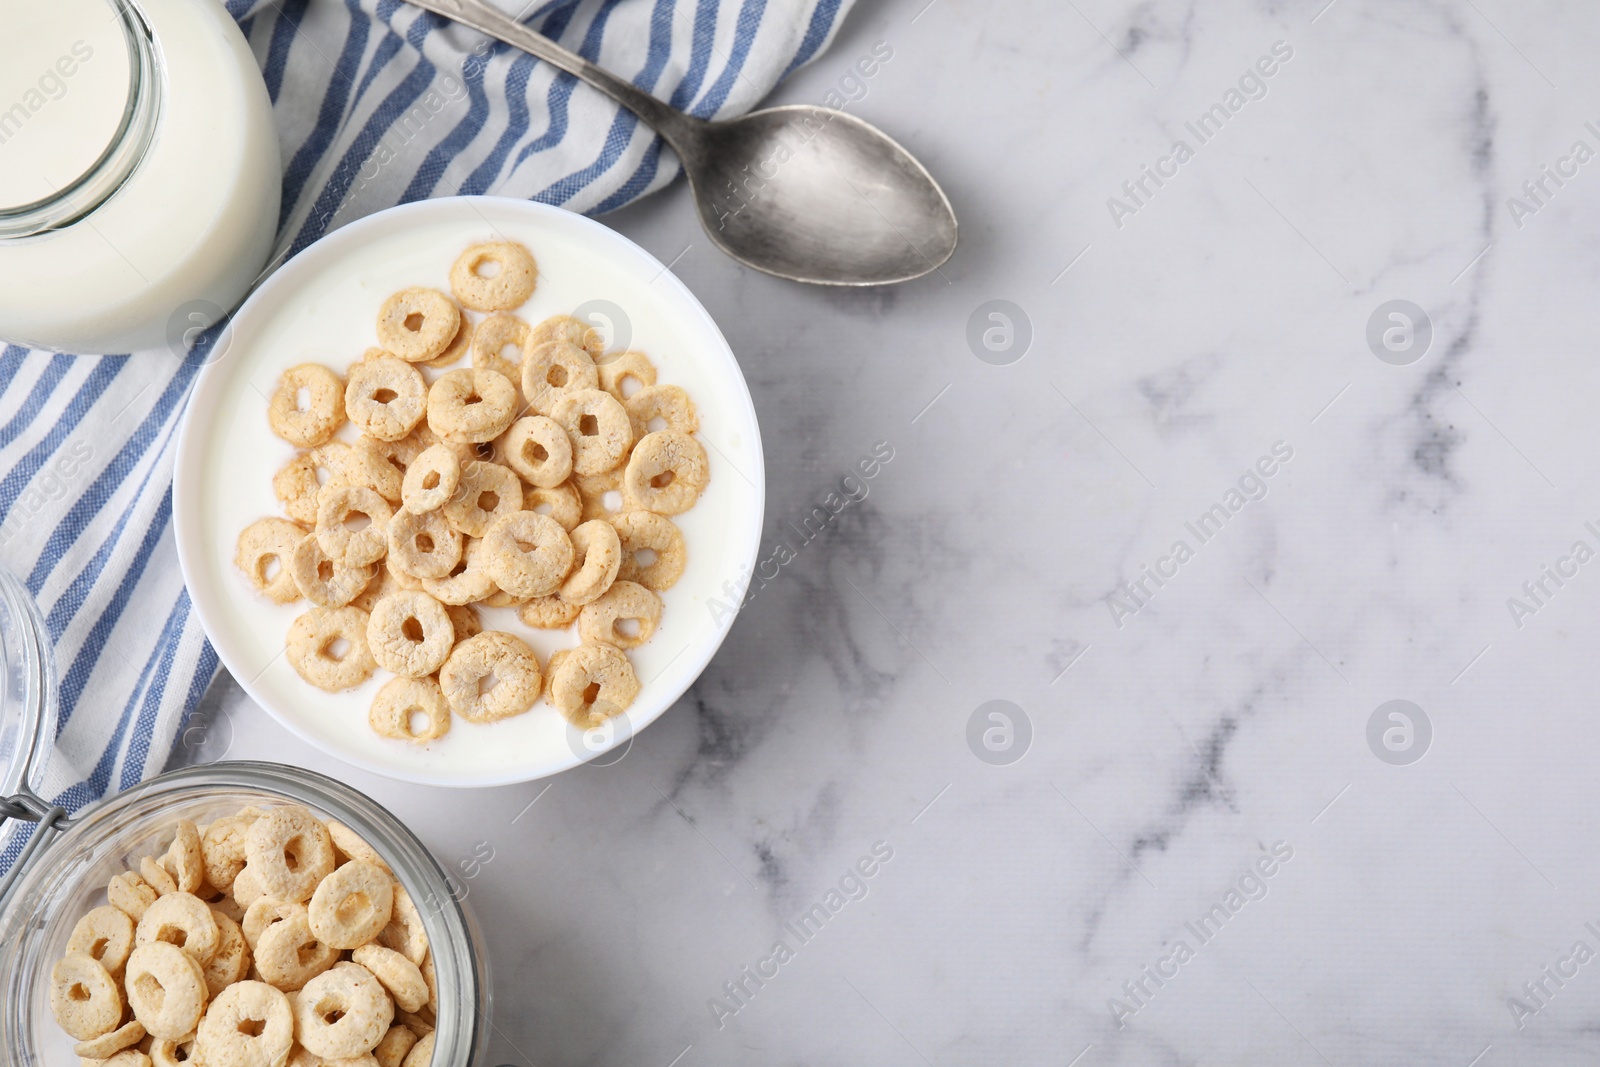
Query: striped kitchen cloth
x,y
376,103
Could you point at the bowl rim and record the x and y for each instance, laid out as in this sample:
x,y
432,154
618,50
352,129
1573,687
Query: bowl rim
x,y
187,474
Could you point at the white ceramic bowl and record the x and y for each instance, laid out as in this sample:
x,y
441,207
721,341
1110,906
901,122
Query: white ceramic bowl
x,y
321,306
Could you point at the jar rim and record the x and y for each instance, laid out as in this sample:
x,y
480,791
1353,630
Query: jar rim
x,y
123,153
29,915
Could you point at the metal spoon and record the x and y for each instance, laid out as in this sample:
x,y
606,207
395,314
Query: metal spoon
x,y
806,193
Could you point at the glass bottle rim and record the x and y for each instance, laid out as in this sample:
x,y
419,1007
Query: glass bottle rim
x,y
123,153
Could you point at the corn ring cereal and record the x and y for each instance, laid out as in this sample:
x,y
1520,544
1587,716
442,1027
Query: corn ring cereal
x,y
561,503
571,330
107,1045
423,545
597,554
84,997
431,479
182,920
591,684
352,905
467,583
166,989
156,877
548,613
617,371
359,1010
666,473
402,978
644,532
598,426
607,619
396,709
289,954
184,857
550,371
471,406
417,323
538,449
130,894
249,1025
527,554
263,554
508,660
290,851
385,397
667,404
487,491
410,634
338,507
490,342
505,285
232,959
106,935
329,582
392,1049
310,419
328,648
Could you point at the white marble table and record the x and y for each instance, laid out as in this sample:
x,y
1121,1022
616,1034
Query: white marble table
x,y
1181,736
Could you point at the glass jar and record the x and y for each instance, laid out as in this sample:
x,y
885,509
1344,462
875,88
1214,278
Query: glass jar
x,y
63,870
139,172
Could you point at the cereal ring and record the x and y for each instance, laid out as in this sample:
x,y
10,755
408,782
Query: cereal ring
x,y
105,934
666,473
661,407
423,546
402,978
130,894
598,426
165,1052
562,504
349,845
527,554
340,506
571,330
303,477
232,959
166,989
471,406
289,954
467,582
264,914
385,397
377,465
465,621
597,553
247,889
342,1012
410,634
487,492
387,581
431,480
417,1024
128,1057
493,337
84,997
156,877
458,347
107,1045
326,582
184,858
548,613
653,553
502,599
421,1054
617,371
491,655
290,851
592,683
552,371
608,619
405,933
392,1049
182,920
601,494
432,982
508,285
263,554
310,419
249,1025
328,648
352,905
418,323
223,847
396,709
538,449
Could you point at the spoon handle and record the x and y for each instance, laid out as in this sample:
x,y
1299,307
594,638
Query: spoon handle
x,y
678,128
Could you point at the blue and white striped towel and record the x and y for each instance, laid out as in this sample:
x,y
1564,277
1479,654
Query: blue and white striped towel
x,y
377,103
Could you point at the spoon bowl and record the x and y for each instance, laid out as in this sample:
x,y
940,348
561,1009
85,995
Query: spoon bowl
x,y
817,195
806,193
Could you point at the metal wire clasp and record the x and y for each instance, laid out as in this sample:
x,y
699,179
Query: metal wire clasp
x,y
28,806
